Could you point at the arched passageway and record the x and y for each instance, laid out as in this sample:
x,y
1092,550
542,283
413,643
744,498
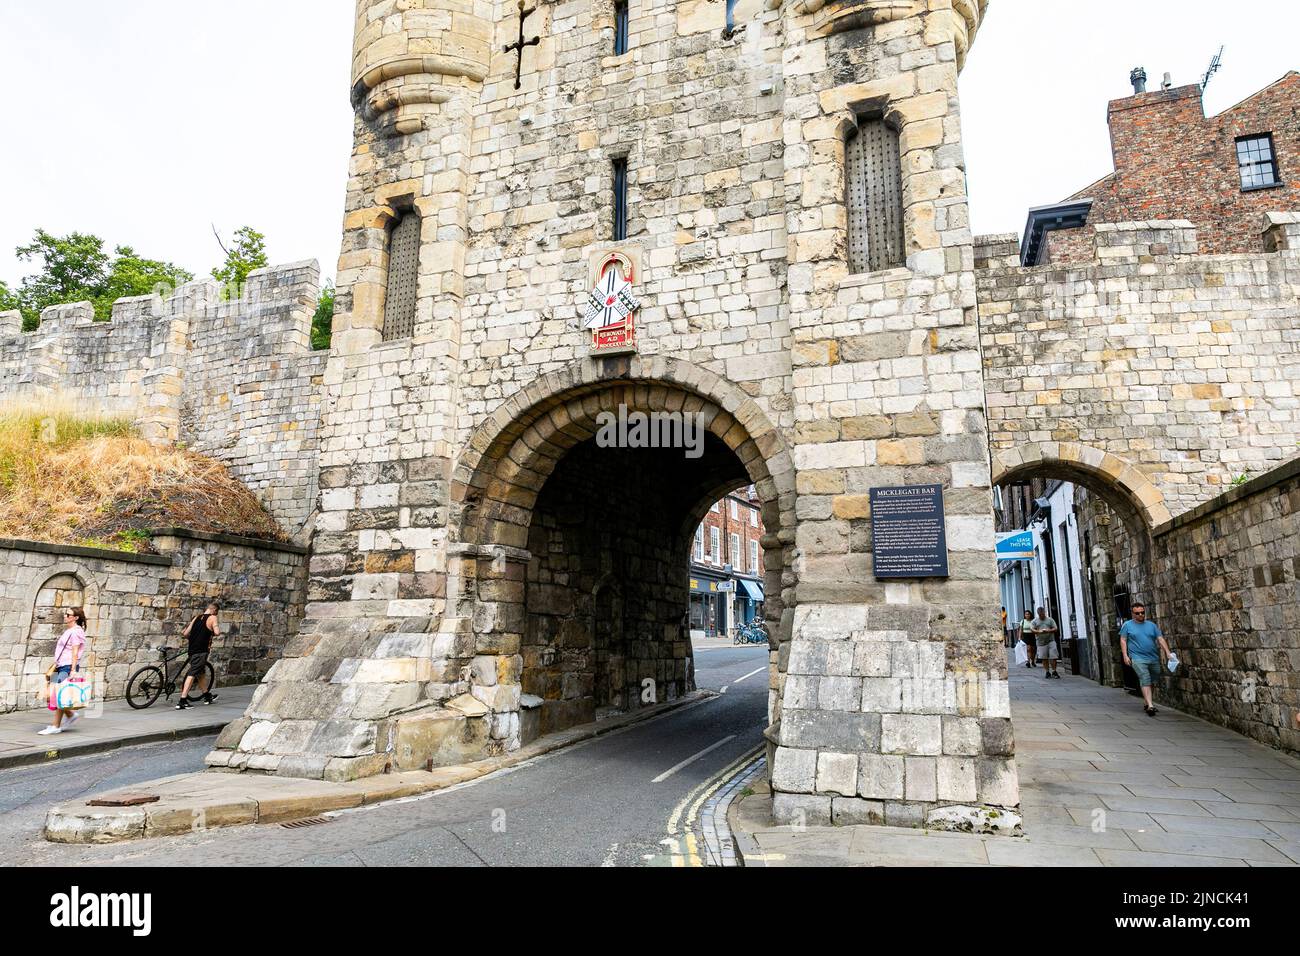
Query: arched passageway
x,y
1092,516
573,518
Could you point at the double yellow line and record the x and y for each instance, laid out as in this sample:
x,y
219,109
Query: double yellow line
x,y
681,825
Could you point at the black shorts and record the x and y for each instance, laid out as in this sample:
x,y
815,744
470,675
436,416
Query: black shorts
x,y
195,664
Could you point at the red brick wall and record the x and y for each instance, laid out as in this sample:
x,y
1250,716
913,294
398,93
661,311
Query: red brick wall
x,y
1172,162
727,526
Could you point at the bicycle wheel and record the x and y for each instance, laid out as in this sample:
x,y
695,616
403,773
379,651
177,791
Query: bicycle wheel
x,y
206,680
144,687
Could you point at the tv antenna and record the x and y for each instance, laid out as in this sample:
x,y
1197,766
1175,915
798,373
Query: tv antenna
x,y
1215,65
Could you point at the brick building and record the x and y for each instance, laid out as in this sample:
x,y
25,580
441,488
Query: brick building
x,y
1172,162
727,564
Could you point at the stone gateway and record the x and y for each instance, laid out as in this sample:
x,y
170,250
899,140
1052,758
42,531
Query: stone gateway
x,y
500,477
483,569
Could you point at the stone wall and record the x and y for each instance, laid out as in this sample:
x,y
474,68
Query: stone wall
x,y
1158,374
136,604
438,451
236,380
1226,582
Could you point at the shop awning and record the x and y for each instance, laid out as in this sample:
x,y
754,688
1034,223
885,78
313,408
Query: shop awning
x,y
753,589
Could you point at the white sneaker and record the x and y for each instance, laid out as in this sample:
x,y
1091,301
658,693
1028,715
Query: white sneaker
x,y
69,721
50,730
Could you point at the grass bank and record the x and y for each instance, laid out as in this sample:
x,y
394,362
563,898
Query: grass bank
x,y
70,474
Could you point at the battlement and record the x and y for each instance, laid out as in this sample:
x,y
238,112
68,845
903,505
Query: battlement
x,y
1142,241
234,378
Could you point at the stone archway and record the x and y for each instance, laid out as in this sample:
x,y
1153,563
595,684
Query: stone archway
x,y
1091,467
63,585
545,519
1119,553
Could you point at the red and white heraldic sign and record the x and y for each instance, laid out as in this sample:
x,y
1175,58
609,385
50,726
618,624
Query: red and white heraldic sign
x,y
611,308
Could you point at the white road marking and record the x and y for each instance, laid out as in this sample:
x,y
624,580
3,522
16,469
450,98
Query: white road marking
x,y
757,670
609,857
724,689
690,760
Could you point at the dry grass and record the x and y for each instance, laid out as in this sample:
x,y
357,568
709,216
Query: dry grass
x,y
70,475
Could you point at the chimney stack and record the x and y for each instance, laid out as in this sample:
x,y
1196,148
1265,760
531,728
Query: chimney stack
x,y
1138,77
1168,84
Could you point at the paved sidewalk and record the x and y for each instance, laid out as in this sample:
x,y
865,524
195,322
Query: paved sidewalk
x,y
1101,784
119,726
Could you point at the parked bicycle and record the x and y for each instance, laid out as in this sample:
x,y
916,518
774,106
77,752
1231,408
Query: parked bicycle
x,y
752,633
153,680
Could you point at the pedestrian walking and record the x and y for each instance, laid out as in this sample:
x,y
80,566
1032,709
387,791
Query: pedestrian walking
x,y
1145,650
1046,633
200,633
67,659
1026,629
1006,634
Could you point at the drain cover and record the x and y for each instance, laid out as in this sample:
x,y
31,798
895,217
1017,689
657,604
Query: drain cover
x,y
308,822
125,800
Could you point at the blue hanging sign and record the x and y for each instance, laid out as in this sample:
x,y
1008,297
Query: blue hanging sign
x,y
1016,546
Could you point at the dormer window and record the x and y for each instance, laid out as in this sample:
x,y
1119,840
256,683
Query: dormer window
x,y
1257,162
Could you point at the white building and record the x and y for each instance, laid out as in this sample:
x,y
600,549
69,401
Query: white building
x,y
1055,579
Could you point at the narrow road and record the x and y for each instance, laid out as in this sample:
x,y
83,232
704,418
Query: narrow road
x,y
607,801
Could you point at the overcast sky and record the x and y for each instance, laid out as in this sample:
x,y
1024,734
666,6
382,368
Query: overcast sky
x,y
148,122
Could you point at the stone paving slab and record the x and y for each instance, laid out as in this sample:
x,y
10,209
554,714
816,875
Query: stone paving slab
x,y
119,726
210,799
1102,784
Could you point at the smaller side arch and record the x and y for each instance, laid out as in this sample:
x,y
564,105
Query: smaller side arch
x,y
89,585
89,590
1092,466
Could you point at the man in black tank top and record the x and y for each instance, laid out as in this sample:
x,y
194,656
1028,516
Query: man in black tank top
x,y
199,633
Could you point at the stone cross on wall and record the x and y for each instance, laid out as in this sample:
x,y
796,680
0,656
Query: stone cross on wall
x,y
519,44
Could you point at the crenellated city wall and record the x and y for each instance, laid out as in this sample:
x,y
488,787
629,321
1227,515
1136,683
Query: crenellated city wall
x,y
236,380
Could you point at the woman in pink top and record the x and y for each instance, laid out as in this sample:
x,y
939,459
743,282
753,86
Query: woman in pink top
x,y
67,654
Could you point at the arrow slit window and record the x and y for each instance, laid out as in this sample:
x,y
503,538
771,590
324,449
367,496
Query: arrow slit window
x,y
403,274
620,27
873,196
620,198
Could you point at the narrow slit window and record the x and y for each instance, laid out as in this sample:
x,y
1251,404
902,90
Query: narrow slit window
x,y
620,26
403,277
873,196
620,198
1257,162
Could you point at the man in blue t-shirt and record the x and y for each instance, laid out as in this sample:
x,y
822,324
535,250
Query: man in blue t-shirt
x,y
1144,650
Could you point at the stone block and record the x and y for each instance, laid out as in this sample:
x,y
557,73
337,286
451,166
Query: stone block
x,y
794,771
911,734
801,810
880,777
837,773
852,811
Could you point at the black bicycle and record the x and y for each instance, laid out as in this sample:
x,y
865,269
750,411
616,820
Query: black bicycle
x,y
153,680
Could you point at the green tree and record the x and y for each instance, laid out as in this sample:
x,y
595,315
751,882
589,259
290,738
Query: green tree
x,y
246,253
130,274
8,300
75,268
322,323
72,268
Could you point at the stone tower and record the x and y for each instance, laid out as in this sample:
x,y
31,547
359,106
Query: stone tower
x,y
782,184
